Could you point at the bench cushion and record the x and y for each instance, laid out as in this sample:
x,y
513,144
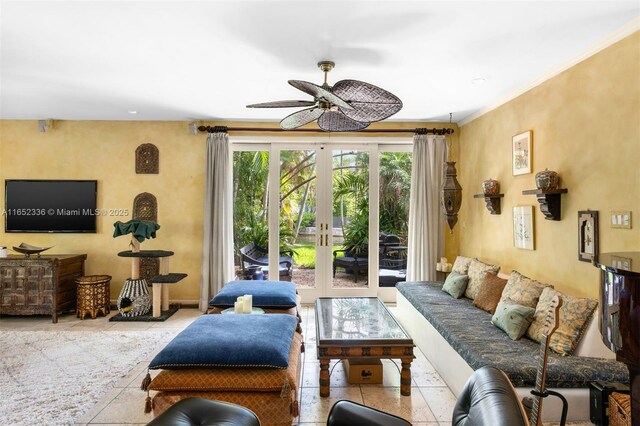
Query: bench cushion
x,y
230,341
266,294
469,331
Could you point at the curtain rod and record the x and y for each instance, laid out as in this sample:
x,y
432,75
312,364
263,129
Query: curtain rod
x,y
420,131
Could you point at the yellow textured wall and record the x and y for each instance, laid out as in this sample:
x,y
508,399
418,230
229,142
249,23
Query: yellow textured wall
x,y
105,151
586,126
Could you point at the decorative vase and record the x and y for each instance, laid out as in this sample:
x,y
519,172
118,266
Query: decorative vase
x,y
547,180
490,187
134,299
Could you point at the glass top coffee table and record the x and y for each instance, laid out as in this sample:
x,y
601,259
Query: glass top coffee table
x,y
360,327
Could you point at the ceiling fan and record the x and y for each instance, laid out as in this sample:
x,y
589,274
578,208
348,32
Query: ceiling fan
x,y
347,106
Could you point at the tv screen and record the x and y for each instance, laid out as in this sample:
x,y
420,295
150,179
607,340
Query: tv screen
x,y
50,205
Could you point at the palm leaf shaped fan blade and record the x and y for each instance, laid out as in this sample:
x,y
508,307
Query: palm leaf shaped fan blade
x,y
319,92
370,103
334,121
348,106
283,104
301,118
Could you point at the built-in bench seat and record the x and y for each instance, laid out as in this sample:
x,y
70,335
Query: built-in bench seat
x,y
473,342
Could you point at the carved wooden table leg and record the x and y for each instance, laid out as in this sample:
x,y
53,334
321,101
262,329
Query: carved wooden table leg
x,y
324,378
405,377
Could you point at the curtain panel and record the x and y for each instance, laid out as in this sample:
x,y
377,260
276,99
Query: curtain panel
x,y
217,245
426,222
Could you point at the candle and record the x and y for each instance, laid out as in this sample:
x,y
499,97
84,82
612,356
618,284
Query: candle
x,y
237,308
443,260
447,267
248,303
438,266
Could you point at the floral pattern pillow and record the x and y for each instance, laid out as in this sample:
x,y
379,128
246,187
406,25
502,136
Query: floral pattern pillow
x,y
476,273
461,265
575,314
523,290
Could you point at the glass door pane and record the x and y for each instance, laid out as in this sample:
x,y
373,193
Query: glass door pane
x,y
395,184
350,262
298,203
250,210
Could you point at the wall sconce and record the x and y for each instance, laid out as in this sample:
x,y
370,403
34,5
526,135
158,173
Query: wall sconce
x,y
44,125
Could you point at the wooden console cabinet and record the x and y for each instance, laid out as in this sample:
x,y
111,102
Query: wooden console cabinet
x,y
43,285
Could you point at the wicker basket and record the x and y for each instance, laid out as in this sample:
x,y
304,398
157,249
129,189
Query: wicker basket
x,y
619,409
93,295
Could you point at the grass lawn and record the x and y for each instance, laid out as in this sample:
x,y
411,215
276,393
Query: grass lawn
x,y
305,254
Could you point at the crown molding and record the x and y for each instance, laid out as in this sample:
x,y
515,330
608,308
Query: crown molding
x,y
618,35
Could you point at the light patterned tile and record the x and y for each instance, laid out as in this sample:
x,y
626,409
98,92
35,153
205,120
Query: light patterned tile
x,y
126,407
313,408
441,401
413,408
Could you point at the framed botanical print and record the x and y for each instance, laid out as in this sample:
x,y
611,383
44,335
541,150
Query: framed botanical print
x,y
587,235
523,227
521,153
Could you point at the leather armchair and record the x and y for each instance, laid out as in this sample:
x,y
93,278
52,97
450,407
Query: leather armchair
x,y
204,412
348,413
488,398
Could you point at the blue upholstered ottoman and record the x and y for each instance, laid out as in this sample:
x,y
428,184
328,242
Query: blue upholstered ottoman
x,y
249,360
275,297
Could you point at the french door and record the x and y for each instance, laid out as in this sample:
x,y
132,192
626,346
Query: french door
x,y
321,202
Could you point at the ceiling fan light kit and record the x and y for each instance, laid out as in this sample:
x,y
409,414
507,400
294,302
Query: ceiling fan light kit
x,y
347,106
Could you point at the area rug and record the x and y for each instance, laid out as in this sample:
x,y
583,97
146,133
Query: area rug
x,y
54,377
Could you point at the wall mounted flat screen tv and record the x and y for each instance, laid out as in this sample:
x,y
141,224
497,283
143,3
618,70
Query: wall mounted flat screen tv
x,y
50,205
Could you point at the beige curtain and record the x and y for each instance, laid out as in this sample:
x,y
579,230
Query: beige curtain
x,y
217,246
426,222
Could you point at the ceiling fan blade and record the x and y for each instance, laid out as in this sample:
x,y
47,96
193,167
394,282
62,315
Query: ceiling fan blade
x,y
371,103
320,92
336,121
300,118
283,104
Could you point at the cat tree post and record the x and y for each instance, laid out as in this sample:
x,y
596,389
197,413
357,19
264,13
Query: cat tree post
x,y
135,261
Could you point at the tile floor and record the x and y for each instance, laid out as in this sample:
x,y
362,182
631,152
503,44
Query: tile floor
x,y
431,402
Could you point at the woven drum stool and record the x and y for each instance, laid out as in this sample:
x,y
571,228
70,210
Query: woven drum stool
x,y
93,295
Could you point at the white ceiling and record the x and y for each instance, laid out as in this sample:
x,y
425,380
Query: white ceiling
x,y
206,60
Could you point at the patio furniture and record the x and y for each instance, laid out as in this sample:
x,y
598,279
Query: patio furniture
x,y
353,263
254,255
393,266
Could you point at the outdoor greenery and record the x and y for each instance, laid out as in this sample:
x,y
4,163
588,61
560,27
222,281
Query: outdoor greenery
x,y
298,199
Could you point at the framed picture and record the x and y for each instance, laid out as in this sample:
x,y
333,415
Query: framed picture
x,y
523,227
587,235
521,152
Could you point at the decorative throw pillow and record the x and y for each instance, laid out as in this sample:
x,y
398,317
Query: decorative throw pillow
x,y
490,292
455,284
512,318
575,314
523,290
477,271
461,265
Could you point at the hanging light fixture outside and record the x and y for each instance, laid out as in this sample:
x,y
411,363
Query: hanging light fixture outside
x,y
451,189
